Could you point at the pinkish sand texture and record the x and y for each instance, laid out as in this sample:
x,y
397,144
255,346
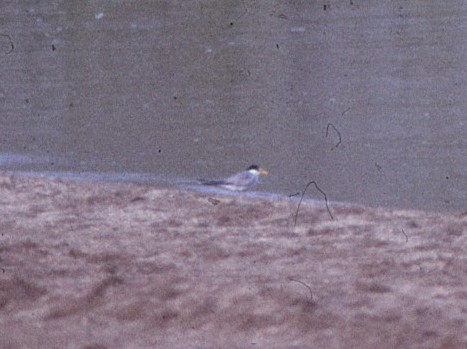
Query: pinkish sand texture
x,y
99,265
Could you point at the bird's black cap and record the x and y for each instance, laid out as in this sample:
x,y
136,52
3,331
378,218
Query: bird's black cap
x,y
253,167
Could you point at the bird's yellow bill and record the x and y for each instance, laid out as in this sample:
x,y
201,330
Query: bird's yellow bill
x,y
263,171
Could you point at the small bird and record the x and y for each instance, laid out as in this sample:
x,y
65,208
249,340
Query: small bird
x,y
239,182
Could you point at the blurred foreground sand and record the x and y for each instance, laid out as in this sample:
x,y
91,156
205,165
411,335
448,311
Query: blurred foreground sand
x,y
99,265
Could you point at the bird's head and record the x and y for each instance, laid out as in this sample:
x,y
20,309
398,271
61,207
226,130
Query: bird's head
x,y
257,170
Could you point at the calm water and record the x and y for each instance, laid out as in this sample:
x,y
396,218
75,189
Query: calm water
x,y
367,99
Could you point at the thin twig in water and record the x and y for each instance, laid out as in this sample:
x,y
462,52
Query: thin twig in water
x,y
308,287
243,13
345,111
338,133
303,194
12,46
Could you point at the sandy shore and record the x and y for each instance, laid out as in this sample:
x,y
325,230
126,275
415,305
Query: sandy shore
x,y
99,265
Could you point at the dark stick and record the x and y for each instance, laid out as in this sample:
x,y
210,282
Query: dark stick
x,y
338,133
406,237
308,287
303,194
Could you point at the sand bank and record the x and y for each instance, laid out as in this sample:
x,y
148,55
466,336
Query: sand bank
x,y
99,265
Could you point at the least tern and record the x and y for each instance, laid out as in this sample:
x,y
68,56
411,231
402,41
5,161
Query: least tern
x,y
239,182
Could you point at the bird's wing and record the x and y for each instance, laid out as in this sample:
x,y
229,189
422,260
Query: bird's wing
x,y
212,182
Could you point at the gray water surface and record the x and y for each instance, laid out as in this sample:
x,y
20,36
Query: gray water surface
x,y
366,98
